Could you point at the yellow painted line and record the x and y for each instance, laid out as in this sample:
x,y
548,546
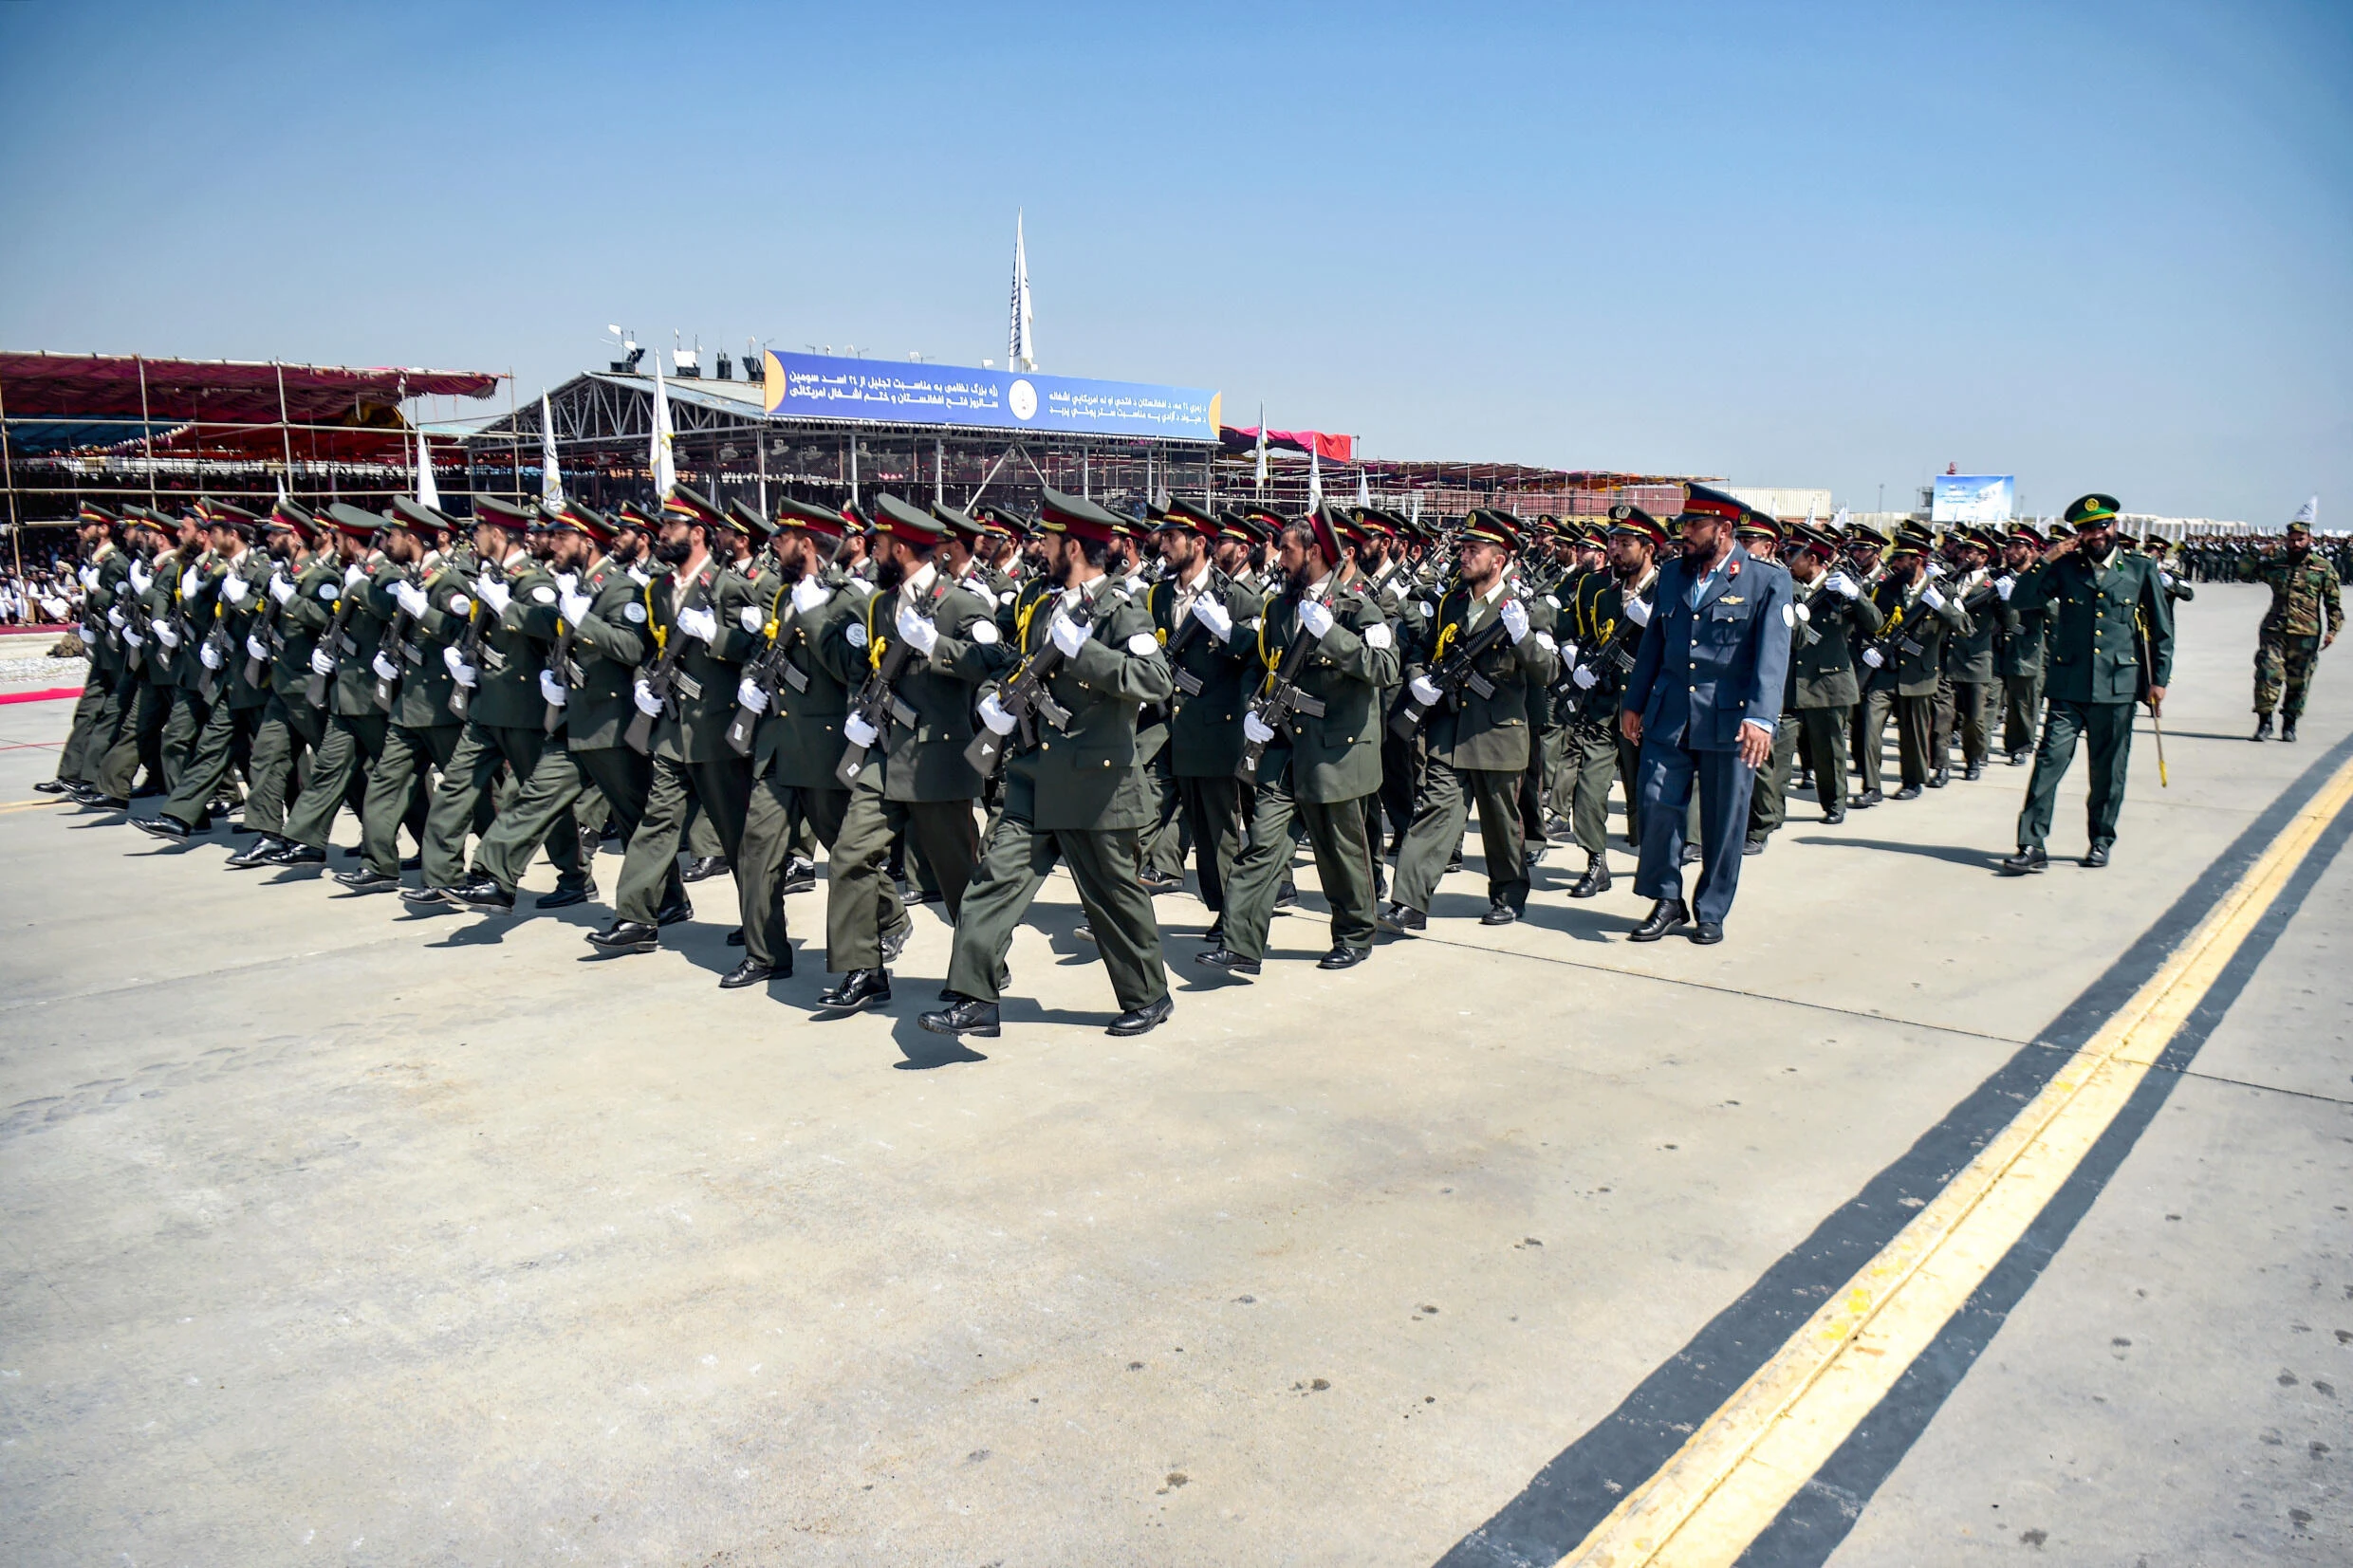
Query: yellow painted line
x,y
1728,1483
32,805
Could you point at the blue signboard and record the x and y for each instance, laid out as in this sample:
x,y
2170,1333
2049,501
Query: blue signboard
x,y
817,386
1973,498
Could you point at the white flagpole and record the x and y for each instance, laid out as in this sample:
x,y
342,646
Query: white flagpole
x,y
550,477
666,469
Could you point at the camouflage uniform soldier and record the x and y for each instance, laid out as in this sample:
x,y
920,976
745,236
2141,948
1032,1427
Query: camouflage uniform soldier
x,y
2306,616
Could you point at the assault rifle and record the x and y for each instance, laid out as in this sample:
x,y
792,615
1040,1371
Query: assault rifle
x,y
1187,682
565,669
878,704
336,643
472,651
772,668
256,667
1457,670
1610,664
1894,639
665,676
1279,699
1025,697
399,650
208,682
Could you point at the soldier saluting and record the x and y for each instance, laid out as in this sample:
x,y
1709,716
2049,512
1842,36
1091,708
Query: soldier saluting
x,y
2306,616
2093,596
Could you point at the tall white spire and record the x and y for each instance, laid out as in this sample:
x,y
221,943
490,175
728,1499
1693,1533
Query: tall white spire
x,y
1021,351
659,457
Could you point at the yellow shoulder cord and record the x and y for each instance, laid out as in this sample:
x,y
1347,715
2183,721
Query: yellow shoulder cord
x,y
775,615
1021,619
1264,657
874,644
660,633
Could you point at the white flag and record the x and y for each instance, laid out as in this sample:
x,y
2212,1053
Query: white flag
x,y
428,493
550,477
659,458
1262,448
2309,513
1315,475
1020,347
1363,489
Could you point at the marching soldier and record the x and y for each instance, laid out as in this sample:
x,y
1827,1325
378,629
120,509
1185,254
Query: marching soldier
x,y
696,617
2098,600
1318,767
495,664
1208,622
2018,651
153,579
95,715
797,744
1480,743
1907,661
2305,617
1608,614
423,603
1965,698
343,661
1831,609
281,639
910,777
241,589
1076,793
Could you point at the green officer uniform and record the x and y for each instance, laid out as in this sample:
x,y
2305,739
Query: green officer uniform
x,y
2018,659
2094,610
291,729
153,684
1910,651
346,655
235,713
98,711
1965,700
420,734
1819,701
1208,674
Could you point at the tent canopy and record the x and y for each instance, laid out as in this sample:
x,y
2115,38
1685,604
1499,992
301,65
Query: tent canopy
x,y
100,386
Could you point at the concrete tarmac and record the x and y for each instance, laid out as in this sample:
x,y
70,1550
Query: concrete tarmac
x,y
340,1233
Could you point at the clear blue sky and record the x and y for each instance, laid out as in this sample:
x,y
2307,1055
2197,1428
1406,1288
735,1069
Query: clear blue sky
x,y
2101,246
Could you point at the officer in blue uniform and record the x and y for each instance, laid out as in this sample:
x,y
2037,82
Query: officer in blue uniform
x,y
1702,703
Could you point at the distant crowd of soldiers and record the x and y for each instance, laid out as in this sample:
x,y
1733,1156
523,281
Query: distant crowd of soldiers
x,y
947,704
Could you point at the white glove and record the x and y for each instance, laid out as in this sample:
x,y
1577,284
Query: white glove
x,y
2002,585
702,625
1315,617
133,637
750,694
235,589
1931,598
1584,678
2166,577
1068,636
384,668
166,633
992,714
1568,654
464,674
1936,570
494,594
857,634
209,655
1845,586
319,663
355,573
116,619
751,617
858,731
648,704
141,579
1873,657
917,632
281,588
190,581
573,608
1255,728
412,599
809,594
1638,611
550,688
1515,621
89,578
1213,617
1424,693
566,582
257,648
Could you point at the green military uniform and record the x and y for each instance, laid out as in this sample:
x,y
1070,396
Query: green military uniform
x,y
1818,702
152,683
505,720
344,658
290,728
1478,745
420,732
1902,684
2094,611
103,579
235,713
1317,771
1209,681
2018,659
191,619
1596,750
2305,614
915,780
1079,795
796,750
691,764
1965,698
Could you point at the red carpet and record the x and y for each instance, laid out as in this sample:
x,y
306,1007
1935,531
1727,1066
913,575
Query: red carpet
x,y
50,695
